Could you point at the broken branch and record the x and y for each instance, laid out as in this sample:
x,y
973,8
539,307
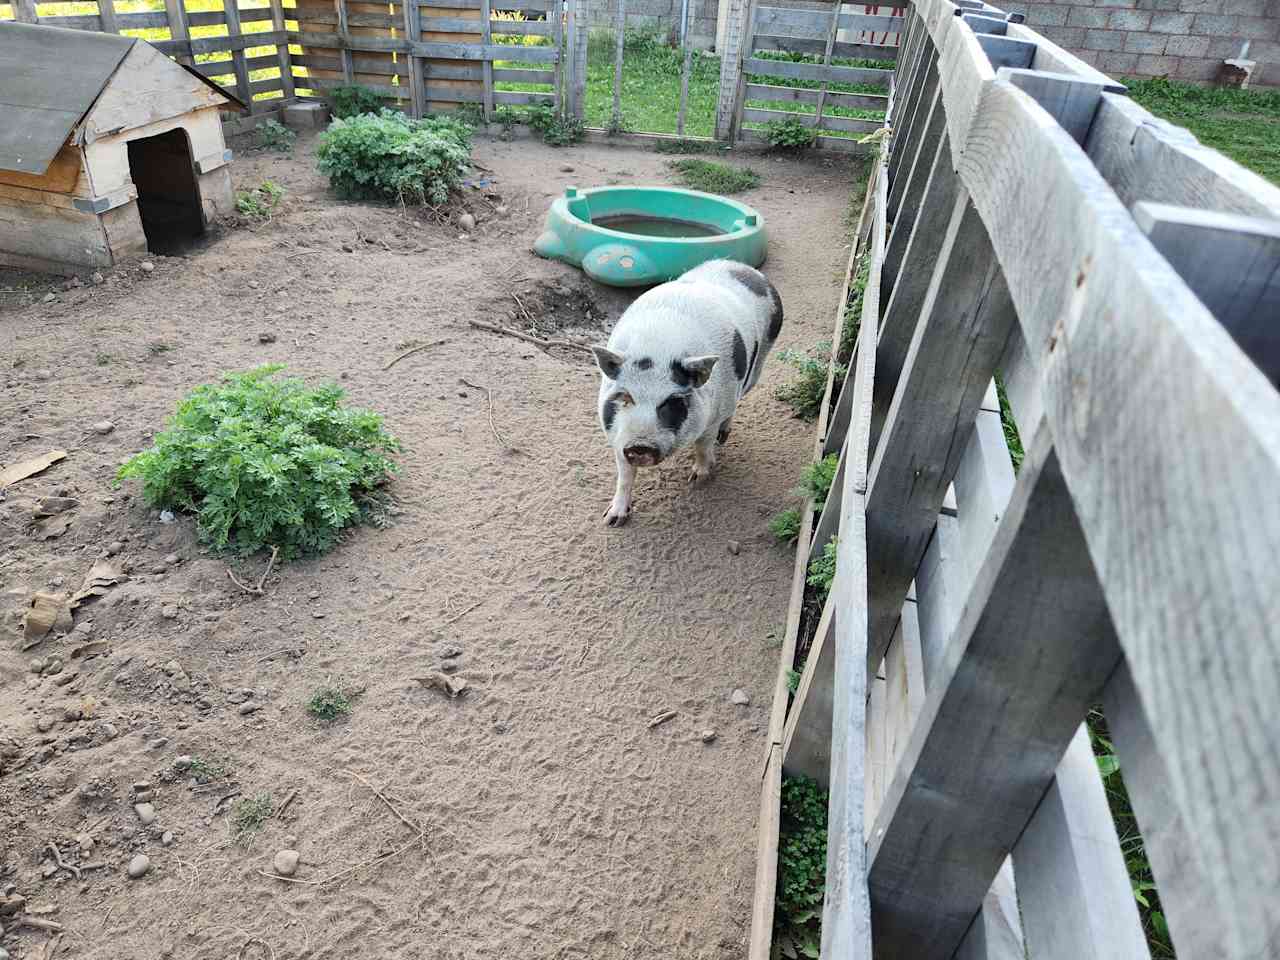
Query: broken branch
x,y
528,338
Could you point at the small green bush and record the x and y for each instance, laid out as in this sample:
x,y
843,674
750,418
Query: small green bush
x,y
260,203
711,177
793,680
822,571
265,462
557,131
329,704
248,816
274,135
352,99
817,478
853,312
393,157
785,526
802,869
806,391
790,135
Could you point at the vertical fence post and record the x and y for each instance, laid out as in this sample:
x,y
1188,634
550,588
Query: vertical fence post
x,y
176,13
107,14
486,37
583,22
25,11
826,62
568,106
412,35
731,67
344,34
282,52
619,43
688,65
237,54
556,7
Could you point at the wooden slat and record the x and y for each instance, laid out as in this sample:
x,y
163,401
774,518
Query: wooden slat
x,y
24,11
913,119
107,14
998,717
814,71
225,68
767,826
133,21
342,19
503,75
757,115
556,15
833,144
1072,881
365,65
235,44
234,31
912,184
475,51
541,99
282,52
806,739
852,51
685,68
813,24
619,42
527,7
320,84
826,59
910,76
413,64
486,26
266,86
345,19
996,933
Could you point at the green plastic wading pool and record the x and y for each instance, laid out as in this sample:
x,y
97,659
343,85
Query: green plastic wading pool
x,y
639,236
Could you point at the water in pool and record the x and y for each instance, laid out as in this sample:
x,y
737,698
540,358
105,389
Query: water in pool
x,y
656,226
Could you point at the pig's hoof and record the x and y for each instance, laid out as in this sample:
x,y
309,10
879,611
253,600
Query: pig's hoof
x,y
699,476
616,516
723,434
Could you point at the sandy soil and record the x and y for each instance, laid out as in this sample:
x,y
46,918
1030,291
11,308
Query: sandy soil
x,y
557,823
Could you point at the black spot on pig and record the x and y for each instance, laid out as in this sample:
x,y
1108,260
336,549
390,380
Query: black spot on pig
x,y
753,280
673,411
739,356
607,413
680,375
644,363
775,316
752,365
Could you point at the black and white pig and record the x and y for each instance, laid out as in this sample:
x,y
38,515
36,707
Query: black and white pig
x,y
677,363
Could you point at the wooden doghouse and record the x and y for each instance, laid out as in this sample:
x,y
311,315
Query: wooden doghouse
x,y
108,149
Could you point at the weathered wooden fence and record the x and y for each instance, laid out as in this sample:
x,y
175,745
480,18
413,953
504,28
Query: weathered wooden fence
x,y
1028,219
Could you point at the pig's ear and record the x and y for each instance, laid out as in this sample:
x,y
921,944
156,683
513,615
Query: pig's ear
x,y
608,361
697,369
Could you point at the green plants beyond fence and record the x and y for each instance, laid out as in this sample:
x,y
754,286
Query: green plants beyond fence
x,y
352,99
804,393
264,462
802,869
395,158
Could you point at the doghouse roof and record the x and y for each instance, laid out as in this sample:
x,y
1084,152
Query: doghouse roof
x,y
50,77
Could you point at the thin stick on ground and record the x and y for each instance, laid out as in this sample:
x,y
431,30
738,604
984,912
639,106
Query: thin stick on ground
x,y
458,616
528,338
381,796
394,360
488,394
520,303
256,591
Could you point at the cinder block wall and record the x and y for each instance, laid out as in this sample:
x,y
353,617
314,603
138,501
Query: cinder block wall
x,y
1183,39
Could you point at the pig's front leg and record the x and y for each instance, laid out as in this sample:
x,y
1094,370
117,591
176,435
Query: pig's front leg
x,y
619,511
704,459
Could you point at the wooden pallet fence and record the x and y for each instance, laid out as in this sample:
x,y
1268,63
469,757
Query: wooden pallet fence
x,y
242,48
993,610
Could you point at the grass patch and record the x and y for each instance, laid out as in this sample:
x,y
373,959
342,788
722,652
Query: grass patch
x,y
712,177
273,135
329,704
1243,124
650,95
685,147
259,203
248,816
206,770
394,158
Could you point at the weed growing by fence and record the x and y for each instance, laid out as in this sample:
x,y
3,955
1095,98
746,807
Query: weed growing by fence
x,y
785,526
805,392
822,571
853,312
711,177
393,157
1011,438
802,869
556,130
329,704
793,680
274,135
817,478
248,816
259,203
352,99
685,147
790,135
265,462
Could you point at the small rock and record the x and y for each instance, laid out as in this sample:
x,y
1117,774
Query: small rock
x,y
172,667
740,697
44,724
53,666
103,427
108,730
147,266
467,222
708,736
146,813
566,169
159,743
348,248
248,708
169,612
286,863
49,298
48,869
500,210
172,558
144,796
166,516
183,762
449,666
266,336
141,785
314,595
139,866
114,547
72,714
735,547
159,570
97,278
450,650
318,614
167,838
86,844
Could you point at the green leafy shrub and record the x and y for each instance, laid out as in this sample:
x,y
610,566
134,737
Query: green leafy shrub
x,y
822,571
790,135
557,131
853,312
802,869
785,526
265,462
260,203
353,99
711,177
248,816
793,680
805,392
393,157
274,135
329,704
817,478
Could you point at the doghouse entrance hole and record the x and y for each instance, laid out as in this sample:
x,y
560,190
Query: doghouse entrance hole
x,y
168,200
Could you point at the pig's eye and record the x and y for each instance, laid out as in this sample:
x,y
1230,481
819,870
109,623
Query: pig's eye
x,y
624,398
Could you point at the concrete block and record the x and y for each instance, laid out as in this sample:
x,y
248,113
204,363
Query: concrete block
x,y
1149,43
1069,37
1194,68
1047,15
1171,22
1187,47
1129,20
1118,64
1246,8
1107,40
306,116
1213,24
1257,28
1157,66
1200,6
1088,17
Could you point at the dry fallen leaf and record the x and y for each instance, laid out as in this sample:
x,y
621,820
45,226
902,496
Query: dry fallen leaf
x,y
29,468
453,686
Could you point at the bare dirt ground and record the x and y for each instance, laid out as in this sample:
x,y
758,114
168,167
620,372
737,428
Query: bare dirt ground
x,y
557,823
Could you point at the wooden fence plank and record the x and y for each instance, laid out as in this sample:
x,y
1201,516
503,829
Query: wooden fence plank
x,y
685,68
1072,881
917,107
768,823
619,42
1232,264
996,933
997,719
107,14
282,51
24,11
912,184
757,115
806,739
865,101
235,32
555,14
812,24
486,38
344,39
815,71
852,51
826,60
580,59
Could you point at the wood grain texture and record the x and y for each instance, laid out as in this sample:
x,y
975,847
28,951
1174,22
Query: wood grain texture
x,y
1073,885
765,889
997,719
814,71
806,739
913,179
911,122
996,932
232,10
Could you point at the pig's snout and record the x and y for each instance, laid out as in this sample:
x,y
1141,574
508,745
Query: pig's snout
x,y
642,454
